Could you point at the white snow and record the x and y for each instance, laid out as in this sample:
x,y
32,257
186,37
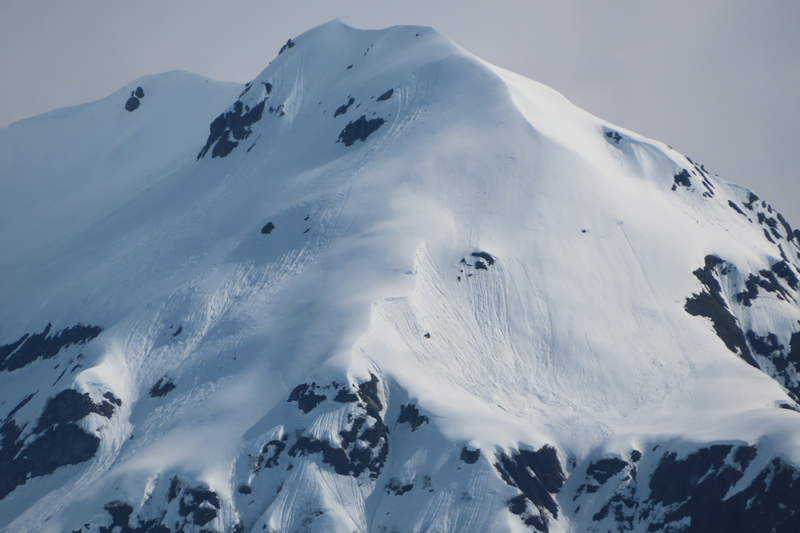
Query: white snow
x,y
576,337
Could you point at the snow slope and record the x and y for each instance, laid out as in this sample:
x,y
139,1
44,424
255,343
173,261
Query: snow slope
x,y
386,286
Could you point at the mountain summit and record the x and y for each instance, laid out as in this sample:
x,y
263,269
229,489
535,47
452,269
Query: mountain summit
x,y
386,287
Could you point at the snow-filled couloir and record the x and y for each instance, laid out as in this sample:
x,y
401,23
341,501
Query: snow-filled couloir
x,y
385,287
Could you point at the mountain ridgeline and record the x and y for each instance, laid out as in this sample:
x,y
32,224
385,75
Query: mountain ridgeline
x,y
386,287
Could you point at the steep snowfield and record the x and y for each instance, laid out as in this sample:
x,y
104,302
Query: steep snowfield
x,y
65,169
390,287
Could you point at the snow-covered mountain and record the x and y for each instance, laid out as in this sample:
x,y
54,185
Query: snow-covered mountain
x,y
385,287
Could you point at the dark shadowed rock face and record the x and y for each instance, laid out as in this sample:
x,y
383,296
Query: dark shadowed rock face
x,y
31,347
361,447
56,441
485,256
359,129
306,398
700,492
341,110
784,271
735,207
368,392
364,447
345,396
59,446
270,454
192,509
364,443
765,280
385,96
766,346
289,44
120,513
409,414
162,387
621,472
470,456
682,178
766,352
539,476
710,304
134,101
604,469
613,136
191,505
481,261
71,406
132,104
235,123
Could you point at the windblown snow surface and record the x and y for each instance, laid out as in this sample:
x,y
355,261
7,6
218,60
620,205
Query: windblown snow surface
x,y
385,287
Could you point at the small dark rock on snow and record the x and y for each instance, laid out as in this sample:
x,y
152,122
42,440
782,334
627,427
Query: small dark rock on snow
x,y
289,44
132,104
359,129
162,387
385,96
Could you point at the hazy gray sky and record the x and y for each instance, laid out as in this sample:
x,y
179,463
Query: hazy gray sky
x,y
718,80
